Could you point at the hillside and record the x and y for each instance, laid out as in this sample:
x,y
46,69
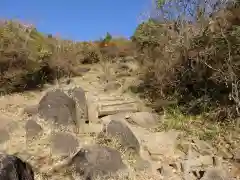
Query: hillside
x,y
171,93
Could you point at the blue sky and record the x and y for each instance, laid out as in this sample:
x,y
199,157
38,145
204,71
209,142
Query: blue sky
x,y
78,19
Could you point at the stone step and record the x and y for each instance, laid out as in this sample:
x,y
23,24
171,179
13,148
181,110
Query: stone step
x,y
109,108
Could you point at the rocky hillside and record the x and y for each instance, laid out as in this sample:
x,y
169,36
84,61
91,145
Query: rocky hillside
x,y
103,130
163,105
28,58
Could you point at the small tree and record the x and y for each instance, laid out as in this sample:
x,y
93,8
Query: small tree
x,y
107,39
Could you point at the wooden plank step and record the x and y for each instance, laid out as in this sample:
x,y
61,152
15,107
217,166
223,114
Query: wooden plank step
x,y
117,107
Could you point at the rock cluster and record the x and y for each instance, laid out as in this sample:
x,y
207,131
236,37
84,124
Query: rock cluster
x,y
163,154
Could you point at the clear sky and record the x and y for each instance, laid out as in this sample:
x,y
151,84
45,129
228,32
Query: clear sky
x,y
78,19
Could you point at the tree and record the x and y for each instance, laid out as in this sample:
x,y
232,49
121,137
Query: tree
x,y
189,10
108,37
106,40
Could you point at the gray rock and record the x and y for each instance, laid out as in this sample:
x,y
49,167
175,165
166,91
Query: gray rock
x,y
32,128
143,119
141,164
166,171
94,161
200,162
111,86
120,131
13,168
58,107
198,166
31,110
215,174
4,135
161,144
122,116
225,153
63,143
7,123
78,94
203,147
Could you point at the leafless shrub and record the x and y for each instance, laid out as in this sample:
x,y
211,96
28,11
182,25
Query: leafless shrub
x,y
187,59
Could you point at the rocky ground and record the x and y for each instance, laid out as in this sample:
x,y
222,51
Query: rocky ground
x,y
116,138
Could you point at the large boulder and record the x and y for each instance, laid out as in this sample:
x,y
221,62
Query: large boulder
x,y
57,107
13,168
159,145
4,135
121,132
112,86
63,143
78,94
94,161
143,119
30,110
32,128
215,174
6,126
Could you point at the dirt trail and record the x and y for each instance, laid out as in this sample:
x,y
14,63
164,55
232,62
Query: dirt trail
x,y
13,119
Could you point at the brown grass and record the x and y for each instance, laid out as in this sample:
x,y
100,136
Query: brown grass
x,y
193,66
29,59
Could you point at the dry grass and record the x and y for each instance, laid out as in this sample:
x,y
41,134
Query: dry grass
x,y
193,67
30,59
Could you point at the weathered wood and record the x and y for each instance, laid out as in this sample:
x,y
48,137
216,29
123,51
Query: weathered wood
x,y
117,107
116,103
111,98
